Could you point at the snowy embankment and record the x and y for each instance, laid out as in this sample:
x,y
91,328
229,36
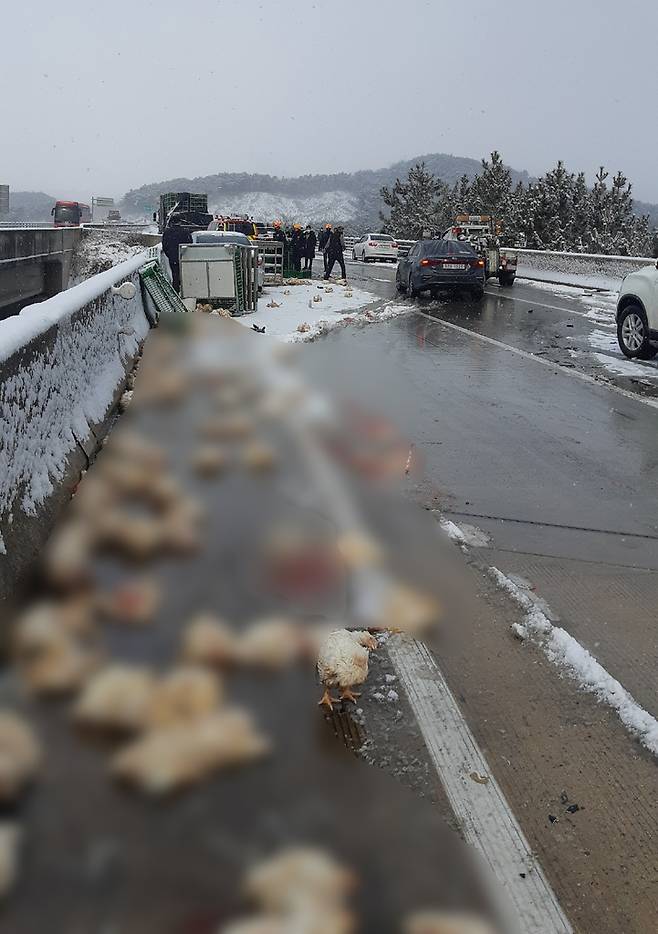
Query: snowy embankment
x,y
303,309
578,269
62,364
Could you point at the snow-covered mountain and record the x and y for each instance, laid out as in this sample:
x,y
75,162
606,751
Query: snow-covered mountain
x,y
349,197
328,206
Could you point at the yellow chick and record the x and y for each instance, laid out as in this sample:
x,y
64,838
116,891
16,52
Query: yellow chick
x,y
446,922
133,602
271,643
209,460
296,877
20,755
208,640
259,456
172,757
184,694
67,555
49,658
343,662
119,697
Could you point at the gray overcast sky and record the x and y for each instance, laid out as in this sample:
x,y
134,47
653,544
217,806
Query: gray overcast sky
x,y
98,97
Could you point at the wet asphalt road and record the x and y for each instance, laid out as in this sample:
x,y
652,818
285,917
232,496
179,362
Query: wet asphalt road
x,y
562,474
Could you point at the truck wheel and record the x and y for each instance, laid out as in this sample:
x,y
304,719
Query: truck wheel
x,y
478,295
398,283
506,278
411,291
633,334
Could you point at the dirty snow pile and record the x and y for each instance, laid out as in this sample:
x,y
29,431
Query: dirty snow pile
x,y
306,309
568,654
99,250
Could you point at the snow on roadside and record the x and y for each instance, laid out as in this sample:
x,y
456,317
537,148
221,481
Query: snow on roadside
x,y
567,654
99,250
283,310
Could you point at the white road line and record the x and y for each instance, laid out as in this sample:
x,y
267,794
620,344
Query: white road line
x,y
486,819
567,371
537,304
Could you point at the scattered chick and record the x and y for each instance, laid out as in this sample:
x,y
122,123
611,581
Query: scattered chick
x,y
208,640
440,922
302,890
227,428
298,875
209,460
119,697
305,326
343,662
133,602
67,554
409,610
184,694
10,838
271,643
49,657
169,758
130,448
273,304
259,456
135,537
358,550
20,755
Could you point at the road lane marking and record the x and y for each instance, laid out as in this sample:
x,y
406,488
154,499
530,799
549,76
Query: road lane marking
x,y
526,301
569,656
485,817
574,374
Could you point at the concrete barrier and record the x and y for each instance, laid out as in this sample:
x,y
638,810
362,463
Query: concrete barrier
x,y
63,366
582,269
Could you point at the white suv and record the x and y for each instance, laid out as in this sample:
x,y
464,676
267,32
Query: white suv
x,y
637,313
375,246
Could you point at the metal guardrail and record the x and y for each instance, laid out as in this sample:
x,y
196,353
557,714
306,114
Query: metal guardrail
x,y
22,225
272,253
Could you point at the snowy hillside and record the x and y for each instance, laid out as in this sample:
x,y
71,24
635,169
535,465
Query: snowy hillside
x,y
327,206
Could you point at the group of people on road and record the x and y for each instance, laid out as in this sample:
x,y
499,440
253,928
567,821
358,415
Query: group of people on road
x,y
301,244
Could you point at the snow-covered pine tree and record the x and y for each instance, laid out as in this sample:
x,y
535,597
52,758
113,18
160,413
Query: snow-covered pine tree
x,y
491,190
415,205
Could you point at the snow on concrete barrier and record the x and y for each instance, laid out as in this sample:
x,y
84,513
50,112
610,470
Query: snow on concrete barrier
x,y
63,364
588,269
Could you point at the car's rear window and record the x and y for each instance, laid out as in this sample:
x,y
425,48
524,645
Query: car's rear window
x,y
383,238
447,248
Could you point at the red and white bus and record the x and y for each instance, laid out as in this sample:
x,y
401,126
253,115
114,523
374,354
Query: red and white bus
x,y
70,214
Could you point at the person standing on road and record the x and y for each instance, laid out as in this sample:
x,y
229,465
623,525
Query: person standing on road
x,y
323,241
297,247
335,250
175,233
280,236
310,242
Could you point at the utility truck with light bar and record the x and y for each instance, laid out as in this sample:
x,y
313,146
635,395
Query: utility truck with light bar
x,y
483,233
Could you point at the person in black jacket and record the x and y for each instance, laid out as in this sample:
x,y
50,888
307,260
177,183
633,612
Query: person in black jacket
x,y
335,249
175,233
297,247
323,240
310,242
280,235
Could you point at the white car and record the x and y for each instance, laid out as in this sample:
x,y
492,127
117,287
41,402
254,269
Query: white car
x,y
637,314
375,246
